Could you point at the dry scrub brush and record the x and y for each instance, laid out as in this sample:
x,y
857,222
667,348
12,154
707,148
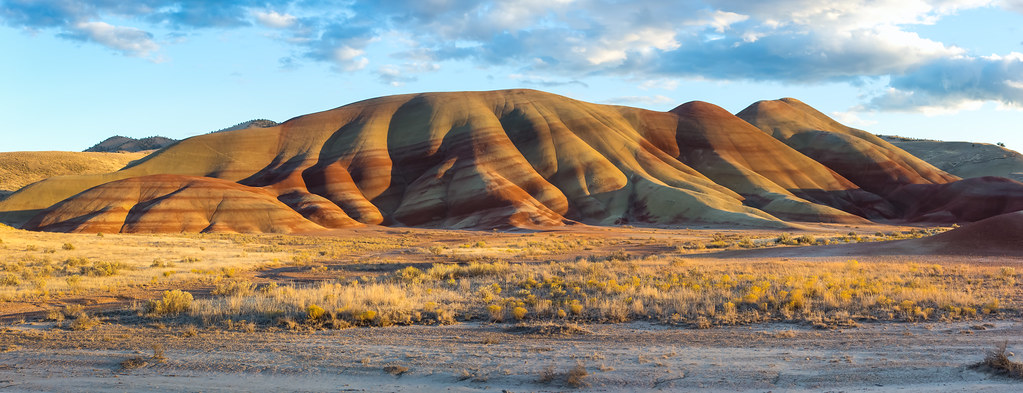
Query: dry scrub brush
x,y
669,291
998,362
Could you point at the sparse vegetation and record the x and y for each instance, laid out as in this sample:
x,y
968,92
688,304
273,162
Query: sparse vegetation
x,y
396,370
173,303
574,377
998,362
83,322
697,293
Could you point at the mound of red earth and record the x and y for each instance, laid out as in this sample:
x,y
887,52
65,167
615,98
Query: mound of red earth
x,y
517,158
172,203
998,235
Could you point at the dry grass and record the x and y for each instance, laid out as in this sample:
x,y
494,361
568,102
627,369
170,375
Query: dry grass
x,y
133,363
667,290
574,377
998,362
396,370
378,277
18,169
35,266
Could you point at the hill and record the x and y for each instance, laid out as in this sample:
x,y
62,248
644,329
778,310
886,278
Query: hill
x,y
18,169
257,123
119,143
523,159
860,156
964,159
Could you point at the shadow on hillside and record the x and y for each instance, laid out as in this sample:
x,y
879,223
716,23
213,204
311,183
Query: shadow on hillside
x,y
17,218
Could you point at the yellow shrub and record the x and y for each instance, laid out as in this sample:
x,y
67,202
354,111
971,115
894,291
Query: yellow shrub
x,y
315,312
519,312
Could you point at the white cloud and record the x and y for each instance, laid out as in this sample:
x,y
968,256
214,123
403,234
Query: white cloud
x,y
722,20
275,20
392,75
1012,5
127,40
852,119
350,59
564,41
955,84
617,49
400,75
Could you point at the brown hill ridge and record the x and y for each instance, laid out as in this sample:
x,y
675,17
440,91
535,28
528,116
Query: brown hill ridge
x,y
964,159
511,158
172,203
999,235
119,143
21,168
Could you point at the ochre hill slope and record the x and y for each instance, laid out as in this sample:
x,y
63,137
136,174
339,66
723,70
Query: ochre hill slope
x,y
172,203
918,190
865,159
964,159
511,158
18,169
998,235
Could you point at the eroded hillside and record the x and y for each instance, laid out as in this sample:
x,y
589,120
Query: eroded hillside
x,y
518,158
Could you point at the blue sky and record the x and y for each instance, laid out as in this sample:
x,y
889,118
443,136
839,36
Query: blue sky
x,y
76,72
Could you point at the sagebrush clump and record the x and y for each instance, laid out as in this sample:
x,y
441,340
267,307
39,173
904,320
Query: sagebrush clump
x,y
173,302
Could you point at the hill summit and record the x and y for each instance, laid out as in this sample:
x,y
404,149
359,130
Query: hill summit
x,y
516,159
119,143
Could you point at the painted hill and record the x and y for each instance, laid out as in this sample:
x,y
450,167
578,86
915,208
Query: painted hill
x,y
18,169
511,158
859,156
964,159
1000,235
171,203
119,143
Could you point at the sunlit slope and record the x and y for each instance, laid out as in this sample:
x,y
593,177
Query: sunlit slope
x,y
510,158
862,157
18,169
479,159
965,159
172,203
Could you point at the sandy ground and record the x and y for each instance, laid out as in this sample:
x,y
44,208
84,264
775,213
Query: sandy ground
x,y
491,357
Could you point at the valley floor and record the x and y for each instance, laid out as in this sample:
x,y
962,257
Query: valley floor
x,y
498,357
73,311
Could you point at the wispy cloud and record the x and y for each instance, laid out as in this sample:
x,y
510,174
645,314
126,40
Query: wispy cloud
x,y
562,42
954,84
127,40
640,100
542,81
275,19
852,119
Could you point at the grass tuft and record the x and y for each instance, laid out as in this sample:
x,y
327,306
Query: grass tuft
x,y
997,362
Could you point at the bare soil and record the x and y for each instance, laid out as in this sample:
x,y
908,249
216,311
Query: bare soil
x,y
488,357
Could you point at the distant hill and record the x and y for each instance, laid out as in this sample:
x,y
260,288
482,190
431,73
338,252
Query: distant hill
x,y
964,159
119,143
18,169
257,123
516,159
